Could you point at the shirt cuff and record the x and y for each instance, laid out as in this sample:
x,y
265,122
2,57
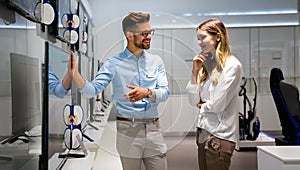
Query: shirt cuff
x,y
60,91
88,90
192,88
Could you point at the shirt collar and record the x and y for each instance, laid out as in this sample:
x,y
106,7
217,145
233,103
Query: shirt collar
x,y
130,55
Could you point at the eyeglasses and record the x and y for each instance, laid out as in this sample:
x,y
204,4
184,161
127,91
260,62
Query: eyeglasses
x,y
145,33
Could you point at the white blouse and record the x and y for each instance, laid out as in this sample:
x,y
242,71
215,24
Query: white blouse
x,y
218,115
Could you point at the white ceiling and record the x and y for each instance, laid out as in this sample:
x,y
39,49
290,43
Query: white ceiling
x,y
190,13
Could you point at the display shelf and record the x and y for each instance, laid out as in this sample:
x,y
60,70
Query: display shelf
x,y
72,163
94,132
262,140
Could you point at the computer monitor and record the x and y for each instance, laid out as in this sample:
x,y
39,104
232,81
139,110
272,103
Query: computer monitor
x,y
25,85
52,120
26,114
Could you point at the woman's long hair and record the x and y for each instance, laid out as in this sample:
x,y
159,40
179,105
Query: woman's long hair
x,y
214,26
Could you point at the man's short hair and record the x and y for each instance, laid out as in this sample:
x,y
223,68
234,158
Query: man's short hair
x,y
133,18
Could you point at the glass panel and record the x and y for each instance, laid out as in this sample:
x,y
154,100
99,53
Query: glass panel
x,y
184,48
240,47
58,60
259,49
276,49
84,101
20,98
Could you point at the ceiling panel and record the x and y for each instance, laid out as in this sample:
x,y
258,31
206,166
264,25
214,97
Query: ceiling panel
x,y
190,13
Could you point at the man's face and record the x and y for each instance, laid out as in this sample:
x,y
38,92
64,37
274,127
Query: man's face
x,y
143,35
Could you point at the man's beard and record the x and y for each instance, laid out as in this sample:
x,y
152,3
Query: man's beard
x,y
142,45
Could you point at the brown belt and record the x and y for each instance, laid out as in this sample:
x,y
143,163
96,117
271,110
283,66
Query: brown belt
x,y
138,120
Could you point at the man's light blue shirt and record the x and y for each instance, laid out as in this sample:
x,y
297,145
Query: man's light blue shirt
x,y
55,85
147,72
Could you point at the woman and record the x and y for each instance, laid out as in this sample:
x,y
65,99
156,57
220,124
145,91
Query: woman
x,y
213,88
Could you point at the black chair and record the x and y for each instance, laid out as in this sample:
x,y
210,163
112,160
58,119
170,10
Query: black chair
x,y
286,98
290,94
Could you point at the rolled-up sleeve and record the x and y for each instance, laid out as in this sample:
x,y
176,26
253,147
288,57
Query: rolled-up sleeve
x,y
161,90
100,82
88,90
55,85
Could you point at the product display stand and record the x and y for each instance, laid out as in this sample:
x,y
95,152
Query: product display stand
x,y
262,140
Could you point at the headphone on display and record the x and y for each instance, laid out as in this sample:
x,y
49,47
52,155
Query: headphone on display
x,y
73,116
45,12
70,22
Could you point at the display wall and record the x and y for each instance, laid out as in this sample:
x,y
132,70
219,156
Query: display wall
x,y
26,38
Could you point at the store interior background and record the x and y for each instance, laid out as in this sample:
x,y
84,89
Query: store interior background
x,y
263,34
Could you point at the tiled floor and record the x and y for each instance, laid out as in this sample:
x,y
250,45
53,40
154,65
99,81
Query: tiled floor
x,y
182,154
107,157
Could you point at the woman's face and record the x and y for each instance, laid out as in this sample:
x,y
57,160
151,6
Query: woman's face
x,y
206,41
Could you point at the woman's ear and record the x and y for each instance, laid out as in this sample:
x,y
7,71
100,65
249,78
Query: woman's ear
x,y
218,37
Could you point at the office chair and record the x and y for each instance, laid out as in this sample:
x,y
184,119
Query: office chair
x,y
290,94
286,99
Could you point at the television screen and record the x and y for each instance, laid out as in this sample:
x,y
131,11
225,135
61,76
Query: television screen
x,y
23,148
25,85
53,123
58,61
84,101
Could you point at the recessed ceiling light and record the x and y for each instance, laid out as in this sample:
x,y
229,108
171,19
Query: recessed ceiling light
x,y
248,13
188,14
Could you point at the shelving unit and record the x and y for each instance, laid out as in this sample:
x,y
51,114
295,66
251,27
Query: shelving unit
x,y
262,140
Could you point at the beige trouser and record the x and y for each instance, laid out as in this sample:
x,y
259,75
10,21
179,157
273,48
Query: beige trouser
x,y
141,143
214,153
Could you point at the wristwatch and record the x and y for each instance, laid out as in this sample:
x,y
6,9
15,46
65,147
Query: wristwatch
x,y
150,93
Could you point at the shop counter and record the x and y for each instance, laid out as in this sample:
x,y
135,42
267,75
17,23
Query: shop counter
x,y
278,157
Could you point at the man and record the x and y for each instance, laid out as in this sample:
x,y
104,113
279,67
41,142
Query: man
x,y
139,84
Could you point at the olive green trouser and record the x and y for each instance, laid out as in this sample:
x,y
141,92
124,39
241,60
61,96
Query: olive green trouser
x,y
214,153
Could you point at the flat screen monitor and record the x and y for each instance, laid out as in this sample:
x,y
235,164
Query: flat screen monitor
x,y
52,120
58,61
85,70
25,85
26,116
58,57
